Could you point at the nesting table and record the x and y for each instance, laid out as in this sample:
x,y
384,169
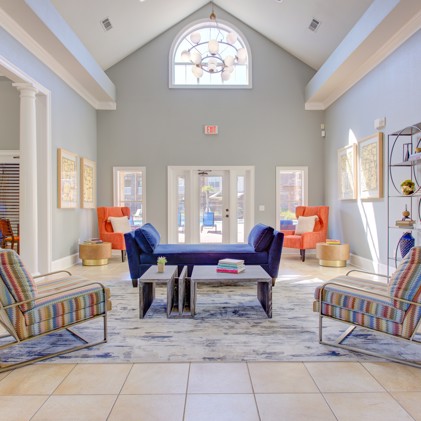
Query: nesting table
x,y
95,254
252,273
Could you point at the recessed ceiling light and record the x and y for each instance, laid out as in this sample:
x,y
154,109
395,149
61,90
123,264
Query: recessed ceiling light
x,y
279,1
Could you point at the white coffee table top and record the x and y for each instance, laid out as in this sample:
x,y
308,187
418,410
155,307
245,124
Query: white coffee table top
x,y
209,273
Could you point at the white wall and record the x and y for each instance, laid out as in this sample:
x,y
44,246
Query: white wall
x,y
73,123
392,90
155,126
9,116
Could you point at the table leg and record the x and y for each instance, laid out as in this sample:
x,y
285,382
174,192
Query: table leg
x,y
193,291
170,295
264,295
146,297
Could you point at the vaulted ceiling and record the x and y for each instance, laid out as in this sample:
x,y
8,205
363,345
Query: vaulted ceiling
x,y
353,37
286,23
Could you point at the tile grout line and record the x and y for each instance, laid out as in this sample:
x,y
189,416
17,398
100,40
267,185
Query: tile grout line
x,y
187,392
253,391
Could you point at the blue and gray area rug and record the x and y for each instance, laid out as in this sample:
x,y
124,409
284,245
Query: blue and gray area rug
x,y
230,325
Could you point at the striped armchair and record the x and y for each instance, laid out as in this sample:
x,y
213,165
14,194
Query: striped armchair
x,y
393,309
30,309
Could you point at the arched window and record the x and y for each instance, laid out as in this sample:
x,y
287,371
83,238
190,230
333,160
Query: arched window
x,y
210,54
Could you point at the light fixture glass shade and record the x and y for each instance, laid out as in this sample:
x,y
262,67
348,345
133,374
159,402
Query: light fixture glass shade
x,y
229,69
225,75
212,63
197,71
195,37
229,60
213,46
196,57
185,55
232,38
242,56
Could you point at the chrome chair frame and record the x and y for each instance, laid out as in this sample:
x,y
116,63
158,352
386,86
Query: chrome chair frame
x,y
338,343
7,324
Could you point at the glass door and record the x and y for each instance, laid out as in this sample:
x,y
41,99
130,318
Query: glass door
x,y
212,205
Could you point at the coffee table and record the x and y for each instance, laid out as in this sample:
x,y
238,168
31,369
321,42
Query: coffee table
x,y
252,273
147,284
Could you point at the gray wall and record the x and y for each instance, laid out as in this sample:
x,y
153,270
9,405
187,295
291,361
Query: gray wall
x,y
155,126
9,116
73,128
392,90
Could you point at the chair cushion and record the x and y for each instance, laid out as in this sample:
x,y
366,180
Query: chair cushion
x,y
147,238
16,278
260,237
344,296
405,282
120,224
305,224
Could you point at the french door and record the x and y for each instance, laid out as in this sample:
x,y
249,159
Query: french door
x,y
210,205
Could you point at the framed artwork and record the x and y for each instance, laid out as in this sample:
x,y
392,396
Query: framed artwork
x,y
88,183
370,167
347,172
67,179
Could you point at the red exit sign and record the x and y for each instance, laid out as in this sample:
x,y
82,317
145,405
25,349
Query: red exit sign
x,y
211,129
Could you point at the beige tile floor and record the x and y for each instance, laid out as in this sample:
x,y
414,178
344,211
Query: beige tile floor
x,y
254,391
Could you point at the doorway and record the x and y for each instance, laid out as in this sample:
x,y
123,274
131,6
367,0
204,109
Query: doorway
x,y
210,205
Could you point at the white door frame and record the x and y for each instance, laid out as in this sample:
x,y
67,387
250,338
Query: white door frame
x,y
44,166
192,231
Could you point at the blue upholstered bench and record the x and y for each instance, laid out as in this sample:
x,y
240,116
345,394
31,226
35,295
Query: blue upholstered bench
x,y
264,248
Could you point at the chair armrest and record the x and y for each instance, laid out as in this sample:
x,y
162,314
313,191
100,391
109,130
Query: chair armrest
x,y
362,290
56,293
52,273
368,273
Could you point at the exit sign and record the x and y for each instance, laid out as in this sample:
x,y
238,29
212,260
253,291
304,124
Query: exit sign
x,y
211,129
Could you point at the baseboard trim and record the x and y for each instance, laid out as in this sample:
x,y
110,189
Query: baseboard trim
x,y
65,262
367,264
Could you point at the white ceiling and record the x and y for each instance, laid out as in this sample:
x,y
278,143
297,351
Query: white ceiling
x,y
285,22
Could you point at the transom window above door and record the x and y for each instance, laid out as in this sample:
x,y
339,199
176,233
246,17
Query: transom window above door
x,y
210,54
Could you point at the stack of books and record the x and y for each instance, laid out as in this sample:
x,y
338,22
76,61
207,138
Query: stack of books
x,y
230,266
332,242
405,223
93,241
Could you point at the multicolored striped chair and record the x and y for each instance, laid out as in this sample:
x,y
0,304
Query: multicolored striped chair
x,y
30,309
392,308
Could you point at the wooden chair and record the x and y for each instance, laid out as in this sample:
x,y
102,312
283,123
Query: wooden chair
x,y
7,235
30,310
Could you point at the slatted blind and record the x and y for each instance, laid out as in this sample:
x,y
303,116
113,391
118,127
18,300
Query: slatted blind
x,y
9,193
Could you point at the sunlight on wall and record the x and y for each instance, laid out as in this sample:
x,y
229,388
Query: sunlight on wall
x,y
368,217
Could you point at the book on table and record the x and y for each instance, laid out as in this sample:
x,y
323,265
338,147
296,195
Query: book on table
x,y
332,241
230,266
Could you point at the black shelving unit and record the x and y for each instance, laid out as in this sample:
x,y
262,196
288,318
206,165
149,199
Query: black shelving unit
x,y
401,145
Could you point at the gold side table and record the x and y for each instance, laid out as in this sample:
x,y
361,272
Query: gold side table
x,y
95,254
332,255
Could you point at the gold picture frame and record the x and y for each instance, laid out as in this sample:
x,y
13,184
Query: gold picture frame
x,y
370,167
88,183
67,182
347,172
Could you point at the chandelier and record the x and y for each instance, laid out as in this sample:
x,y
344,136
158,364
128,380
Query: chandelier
x,y
214,50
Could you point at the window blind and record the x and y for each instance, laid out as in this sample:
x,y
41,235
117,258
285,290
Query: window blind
x,y
9,193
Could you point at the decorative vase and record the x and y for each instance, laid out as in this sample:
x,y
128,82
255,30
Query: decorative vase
x,y
161,267
406,242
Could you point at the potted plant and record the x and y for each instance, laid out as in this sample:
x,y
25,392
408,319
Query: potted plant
x,y
161,263
408,187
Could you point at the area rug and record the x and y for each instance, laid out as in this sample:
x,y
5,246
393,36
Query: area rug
x,y
230,325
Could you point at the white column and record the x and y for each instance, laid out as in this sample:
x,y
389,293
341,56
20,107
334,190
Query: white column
x,y
28,210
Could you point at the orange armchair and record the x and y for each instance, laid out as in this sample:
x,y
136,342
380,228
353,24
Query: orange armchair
x,y
308,240
105,229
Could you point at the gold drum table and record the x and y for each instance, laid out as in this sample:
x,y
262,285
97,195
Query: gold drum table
x,y
95,254
332,255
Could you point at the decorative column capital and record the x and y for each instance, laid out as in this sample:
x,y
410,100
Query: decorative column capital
x,y
26,89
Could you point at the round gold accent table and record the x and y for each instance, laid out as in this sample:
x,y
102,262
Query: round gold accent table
x,y
332,255
95,254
